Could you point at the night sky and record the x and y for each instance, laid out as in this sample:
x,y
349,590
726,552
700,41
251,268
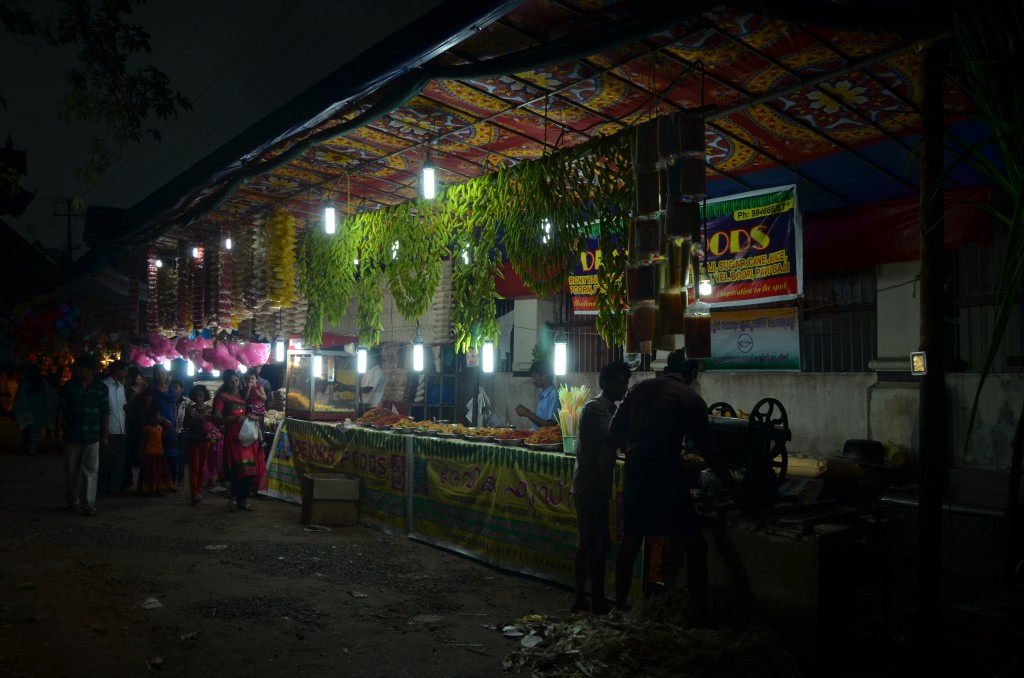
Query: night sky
x,y
235,66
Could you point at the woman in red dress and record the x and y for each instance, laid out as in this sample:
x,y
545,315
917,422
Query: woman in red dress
x,y
229,413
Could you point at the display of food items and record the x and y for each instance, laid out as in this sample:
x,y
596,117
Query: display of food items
x,y
371,415
484,431
297,401
408,422
547,435
512,435
390,420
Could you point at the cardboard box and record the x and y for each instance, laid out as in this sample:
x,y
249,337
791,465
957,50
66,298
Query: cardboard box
x,y
330,499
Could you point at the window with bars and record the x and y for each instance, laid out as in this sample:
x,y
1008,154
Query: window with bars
x,y
838,323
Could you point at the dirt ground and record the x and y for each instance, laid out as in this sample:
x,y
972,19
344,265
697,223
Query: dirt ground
x,y
241,594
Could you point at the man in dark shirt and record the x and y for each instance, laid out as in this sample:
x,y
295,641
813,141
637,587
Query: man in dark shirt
x,y
83,412
651,422
592,486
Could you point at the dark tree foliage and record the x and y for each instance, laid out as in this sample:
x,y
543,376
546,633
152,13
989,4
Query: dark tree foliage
x,y
102,87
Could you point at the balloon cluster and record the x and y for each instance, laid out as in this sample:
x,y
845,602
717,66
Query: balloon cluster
x,y
46,328
205,354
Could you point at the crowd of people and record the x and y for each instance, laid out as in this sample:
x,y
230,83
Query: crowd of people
x,y
123,433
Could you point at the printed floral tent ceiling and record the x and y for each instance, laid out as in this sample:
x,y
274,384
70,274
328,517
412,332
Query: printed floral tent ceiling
x,y
777,93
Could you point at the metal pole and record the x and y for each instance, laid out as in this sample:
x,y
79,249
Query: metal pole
x,y
934,439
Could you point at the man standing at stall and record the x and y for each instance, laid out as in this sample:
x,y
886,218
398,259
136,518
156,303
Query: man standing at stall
x,y
592,486
83,411
651,423
546,413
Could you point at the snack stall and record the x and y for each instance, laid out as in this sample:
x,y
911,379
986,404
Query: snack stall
x,y
321,384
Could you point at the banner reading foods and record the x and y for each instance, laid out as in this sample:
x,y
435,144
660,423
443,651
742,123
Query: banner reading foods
x,y
754,245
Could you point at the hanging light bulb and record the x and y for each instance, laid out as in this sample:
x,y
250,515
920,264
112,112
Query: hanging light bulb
x,y
361,360
195,252
705,282
159,263
318,365
561,354
242,369
417,351
279,350
428,178
190,368
227,243
215,373
487,357
329,224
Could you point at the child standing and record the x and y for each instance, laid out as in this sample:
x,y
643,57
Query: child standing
x,y
256,408
198,439
154,474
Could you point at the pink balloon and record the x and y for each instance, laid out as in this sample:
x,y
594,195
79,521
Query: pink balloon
x,y
183,346
234,349
257,353
144,361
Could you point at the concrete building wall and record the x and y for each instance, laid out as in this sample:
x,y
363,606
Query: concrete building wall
x,y
826,409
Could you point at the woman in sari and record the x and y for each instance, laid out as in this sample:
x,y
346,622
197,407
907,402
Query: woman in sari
x,y
229,413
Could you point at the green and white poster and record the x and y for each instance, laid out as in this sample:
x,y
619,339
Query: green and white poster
x,y
759,339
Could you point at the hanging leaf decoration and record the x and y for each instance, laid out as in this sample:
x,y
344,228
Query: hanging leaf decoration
x,y
326,278
494,217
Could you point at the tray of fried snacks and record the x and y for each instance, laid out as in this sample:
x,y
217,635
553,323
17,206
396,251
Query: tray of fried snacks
x,y
548,435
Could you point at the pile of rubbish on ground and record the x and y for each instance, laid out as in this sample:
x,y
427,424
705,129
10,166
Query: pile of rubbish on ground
x,y
653,639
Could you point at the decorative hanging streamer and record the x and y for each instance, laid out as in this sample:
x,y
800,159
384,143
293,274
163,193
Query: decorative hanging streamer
x,y
281,259
167,292
152,304
226,285
211,262
183,302
134,269
198,290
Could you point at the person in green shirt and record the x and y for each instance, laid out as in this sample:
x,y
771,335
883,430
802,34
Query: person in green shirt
x,y
83,412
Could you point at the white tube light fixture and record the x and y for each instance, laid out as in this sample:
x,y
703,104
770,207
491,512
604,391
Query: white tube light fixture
x,y
561,355
329,223
227,243
195,252
487,357
215,373
190,369
318,365
417,352
429,188
361,360
279,350
166,364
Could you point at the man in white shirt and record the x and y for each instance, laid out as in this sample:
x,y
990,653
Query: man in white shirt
x,y
111,473
372,383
